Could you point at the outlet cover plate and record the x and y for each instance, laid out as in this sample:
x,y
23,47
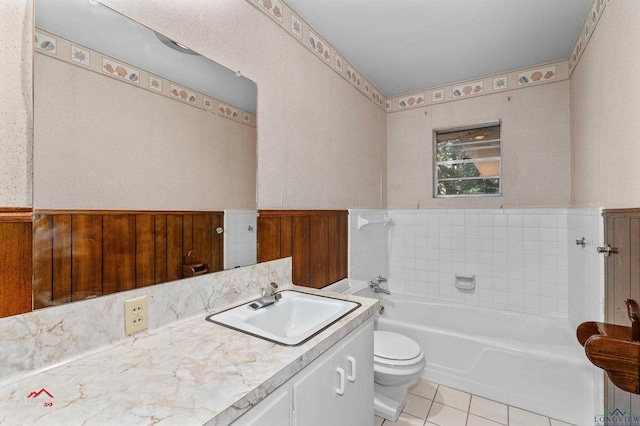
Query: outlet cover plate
x,y
136,315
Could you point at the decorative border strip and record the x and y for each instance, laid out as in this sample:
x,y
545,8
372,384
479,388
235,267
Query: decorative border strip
x,y
539,74
586,30
90,60
283,15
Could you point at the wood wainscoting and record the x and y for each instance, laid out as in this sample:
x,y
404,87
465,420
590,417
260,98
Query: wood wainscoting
x,y
15,260
85,253
315,239
622,281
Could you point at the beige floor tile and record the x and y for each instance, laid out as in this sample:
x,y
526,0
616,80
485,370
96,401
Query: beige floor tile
x,y
518,417
444,415
488,409
453,398
377,421
555,422
474,420
405,420
424,389
417,406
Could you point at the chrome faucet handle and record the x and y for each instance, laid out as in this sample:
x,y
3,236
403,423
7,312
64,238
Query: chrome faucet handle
x,y
381,279
270,289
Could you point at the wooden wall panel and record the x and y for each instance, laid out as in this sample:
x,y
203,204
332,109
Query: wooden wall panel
x,y
145,250
202,237
61,259
83,254
315,239
269,239
43,262
15,261
217,243
86,256
319,251
119,272
160,248
174,247
622,281
300,246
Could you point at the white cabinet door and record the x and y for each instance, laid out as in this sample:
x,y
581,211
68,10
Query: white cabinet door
x,y
337,388
274,410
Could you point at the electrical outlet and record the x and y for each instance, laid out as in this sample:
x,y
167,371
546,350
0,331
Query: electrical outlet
x,y
136,315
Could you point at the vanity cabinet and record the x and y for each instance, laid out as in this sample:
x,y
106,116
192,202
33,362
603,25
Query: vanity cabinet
x,y
335,389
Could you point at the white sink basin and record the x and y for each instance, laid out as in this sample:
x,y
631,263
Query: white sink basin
x,y
290,321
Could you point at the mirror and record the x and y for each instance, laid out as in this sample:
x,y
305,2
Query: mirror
x,y
140,144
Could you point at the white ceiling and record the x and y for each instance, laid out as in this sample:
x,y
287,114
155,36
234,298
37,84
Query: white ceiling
x,y
403,46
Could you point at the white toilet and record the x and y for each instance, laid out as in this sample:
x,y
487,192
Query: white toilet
x,y
397,364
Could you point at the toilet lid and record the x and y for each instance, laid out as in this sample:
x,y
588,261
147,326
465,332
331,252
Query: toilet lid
x,y
394,346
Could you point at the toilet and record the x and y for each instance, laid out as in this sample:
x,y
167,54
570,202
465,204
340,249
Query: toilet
x,y
397,364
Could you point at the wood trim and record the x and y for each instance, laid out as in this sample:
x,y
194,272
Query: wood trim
x,y
50,212
16,214
635,212
268,213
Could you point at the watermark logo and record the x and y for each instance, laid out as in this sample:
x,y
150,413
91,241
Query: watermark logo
x,y
617,417
43,396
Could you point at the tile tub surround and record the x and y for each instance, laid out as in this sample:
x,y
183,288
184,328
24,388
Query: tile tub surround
x,y
519,257
189,372
239,240
368,247
45,337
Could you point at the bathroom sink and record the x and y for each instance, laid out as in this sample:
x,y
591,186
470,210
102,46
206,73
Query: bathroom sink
x,y
292,320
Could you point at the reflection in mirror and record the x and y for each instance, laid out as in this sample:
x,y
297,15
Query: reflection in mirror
x,y
140,144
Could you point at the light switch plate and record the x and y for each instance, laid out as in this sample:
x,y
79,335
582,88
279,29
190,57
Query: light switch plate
x,y
136,315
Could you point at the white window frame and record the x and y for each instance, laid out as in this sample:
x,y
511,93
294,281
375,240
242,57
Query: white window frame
x,y
435,163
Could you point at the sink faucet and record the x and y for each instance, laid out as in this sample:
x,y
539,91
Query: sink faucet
x,y
269,297
374,284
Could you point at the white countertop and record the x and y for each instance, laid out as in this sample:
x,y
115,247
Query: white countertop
x,y
191,372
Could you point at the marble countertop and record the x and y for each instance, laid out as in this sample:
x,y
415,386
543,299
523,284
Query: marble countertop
x,y
191,372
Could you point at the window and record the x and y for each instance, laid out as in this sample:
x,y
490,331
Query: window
x,y
467,161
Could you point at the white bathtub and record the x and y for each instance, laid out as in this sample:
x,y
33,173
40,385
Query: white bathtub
x,y
527,361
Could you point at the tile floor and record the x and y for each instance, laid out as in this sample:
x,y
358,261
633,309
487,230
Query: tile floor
x,y
430,404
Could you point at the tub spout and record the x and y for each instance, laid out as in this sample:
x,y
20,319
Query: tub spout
x,y
377,289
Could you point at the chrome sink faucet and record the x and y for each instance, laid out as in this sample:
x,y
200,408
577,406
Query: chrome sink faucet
x,y
374,284
269,297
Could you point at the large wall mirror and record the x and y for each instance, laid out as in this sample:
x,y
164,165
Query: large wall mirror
x,y
140,144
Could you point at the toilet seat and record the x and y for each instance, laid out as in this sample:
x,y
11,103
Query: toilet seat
x,y
394,349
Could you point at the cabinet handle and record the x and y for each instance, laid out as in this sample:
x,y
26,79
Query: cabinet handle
x,y
340,389
352,367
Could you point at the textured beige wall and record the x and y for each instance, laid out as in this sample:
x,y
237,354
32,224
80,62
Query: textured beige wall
x,y
15,103
100,143
535,149
321,143
605,112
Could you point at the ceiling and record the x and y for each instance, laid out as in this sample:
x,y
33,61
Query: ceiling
x,y
403,46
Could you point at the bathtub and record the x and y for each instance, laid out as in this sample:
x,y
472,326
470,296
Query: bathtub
x,y
531,362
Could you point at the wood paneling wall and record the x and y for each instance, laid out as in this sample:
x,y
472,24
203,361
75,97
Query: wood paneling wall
x,y
15,260
622,281
82,254
315,239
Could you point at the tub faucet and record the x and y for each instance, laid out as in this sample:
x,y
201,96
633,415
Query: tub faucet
x,y
269,297
375,286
